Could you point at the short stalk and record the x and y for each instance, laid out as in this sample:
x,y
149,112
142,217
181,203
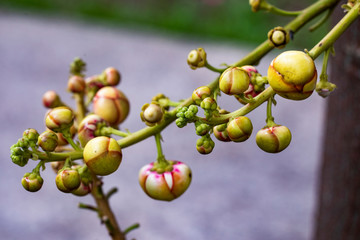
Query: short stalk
x,y
160,156
105,131
80,107
214,69
271,8
269,117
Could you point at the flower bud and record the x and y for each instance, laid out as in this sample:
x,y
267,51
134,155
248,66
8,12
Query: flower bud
x,y
59,119
31,136
112,105
278,37
111,76
32,182
205,145
273,139
76,84
208,104
200,94
82,190
48,141
293,75
197,58
67,180
88,127
221,133
239,129
152,114
51,99
165,186
255,5
234,80
102,155
201,128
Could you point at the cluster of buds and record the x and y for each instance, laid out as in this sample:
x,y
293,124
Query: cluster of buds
x,y
185,115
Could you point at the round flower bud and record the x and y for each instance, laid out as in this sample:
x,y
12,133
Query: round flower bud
x,y
51,99
151,114
67,180
32,182
88,127
205,145
59,118
239,129
221,133
234,80
112,105
196,58
273,139
82,190
76,84
208,104
200,94
48,141
102,155
278,37
293,75
30,135
168,185
111,76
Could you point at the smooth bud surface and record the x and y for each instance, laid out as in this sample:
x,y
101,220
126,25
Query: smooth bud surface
x,y
67,180
239,129
273,139
200,94
32,182
48,141
293,75
59,118
102,155
168,185
87,128
234,80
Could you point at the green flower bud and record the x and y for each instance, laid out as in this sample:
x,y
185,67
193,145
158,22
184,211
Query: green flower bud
x,y
273,139
111,76
112,105
82,190
197,58
200,94
201,128
18,156
102,155
76,84
32,182
278,37
167,185
48,141
208,104
51,100
88,127
293,75
234,80
221,133
205,145
239,129
59,119
152,113
31,135
181,122
324,88
67,180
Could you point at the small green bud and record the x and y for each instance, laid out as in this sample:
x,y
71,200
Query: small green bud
x,y
239,129
18,156
273,139
51,99
324,88
234,80
205,144
102,155
181,122
221,133
59,119
152,114
67,180
208,104
31,135
200,94
278,37
48,141
201,128
196,58
32,182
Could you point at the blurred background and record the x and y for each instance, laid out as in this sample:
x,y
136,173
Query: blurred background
x,y
238,191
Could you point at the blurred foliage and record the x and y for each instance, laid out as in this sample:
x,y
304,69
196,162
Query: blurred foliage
x,y
211,19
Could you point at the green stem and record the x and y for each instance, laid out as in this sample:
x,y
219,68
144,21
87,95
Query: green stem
x,y
132,227
323,75
80,107
160,156
71,142
322,20
214,69
110,130
54,157
271,8
269,117
336,32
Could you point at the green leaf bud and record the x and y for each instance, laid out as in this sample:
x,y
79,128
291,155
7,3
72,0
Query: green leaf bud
x,y
32,182
273,139
234,80
112,105
59,119
48,141
181,122
239,129
102,155
196,58
200,94
293,75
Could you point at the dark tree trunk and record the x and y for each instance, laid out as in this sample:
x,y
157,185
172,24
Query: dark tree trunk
x,y
338,213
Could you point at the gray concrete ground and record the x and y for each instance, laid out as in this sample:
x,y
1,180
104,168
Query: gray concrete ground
x,y
238,192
